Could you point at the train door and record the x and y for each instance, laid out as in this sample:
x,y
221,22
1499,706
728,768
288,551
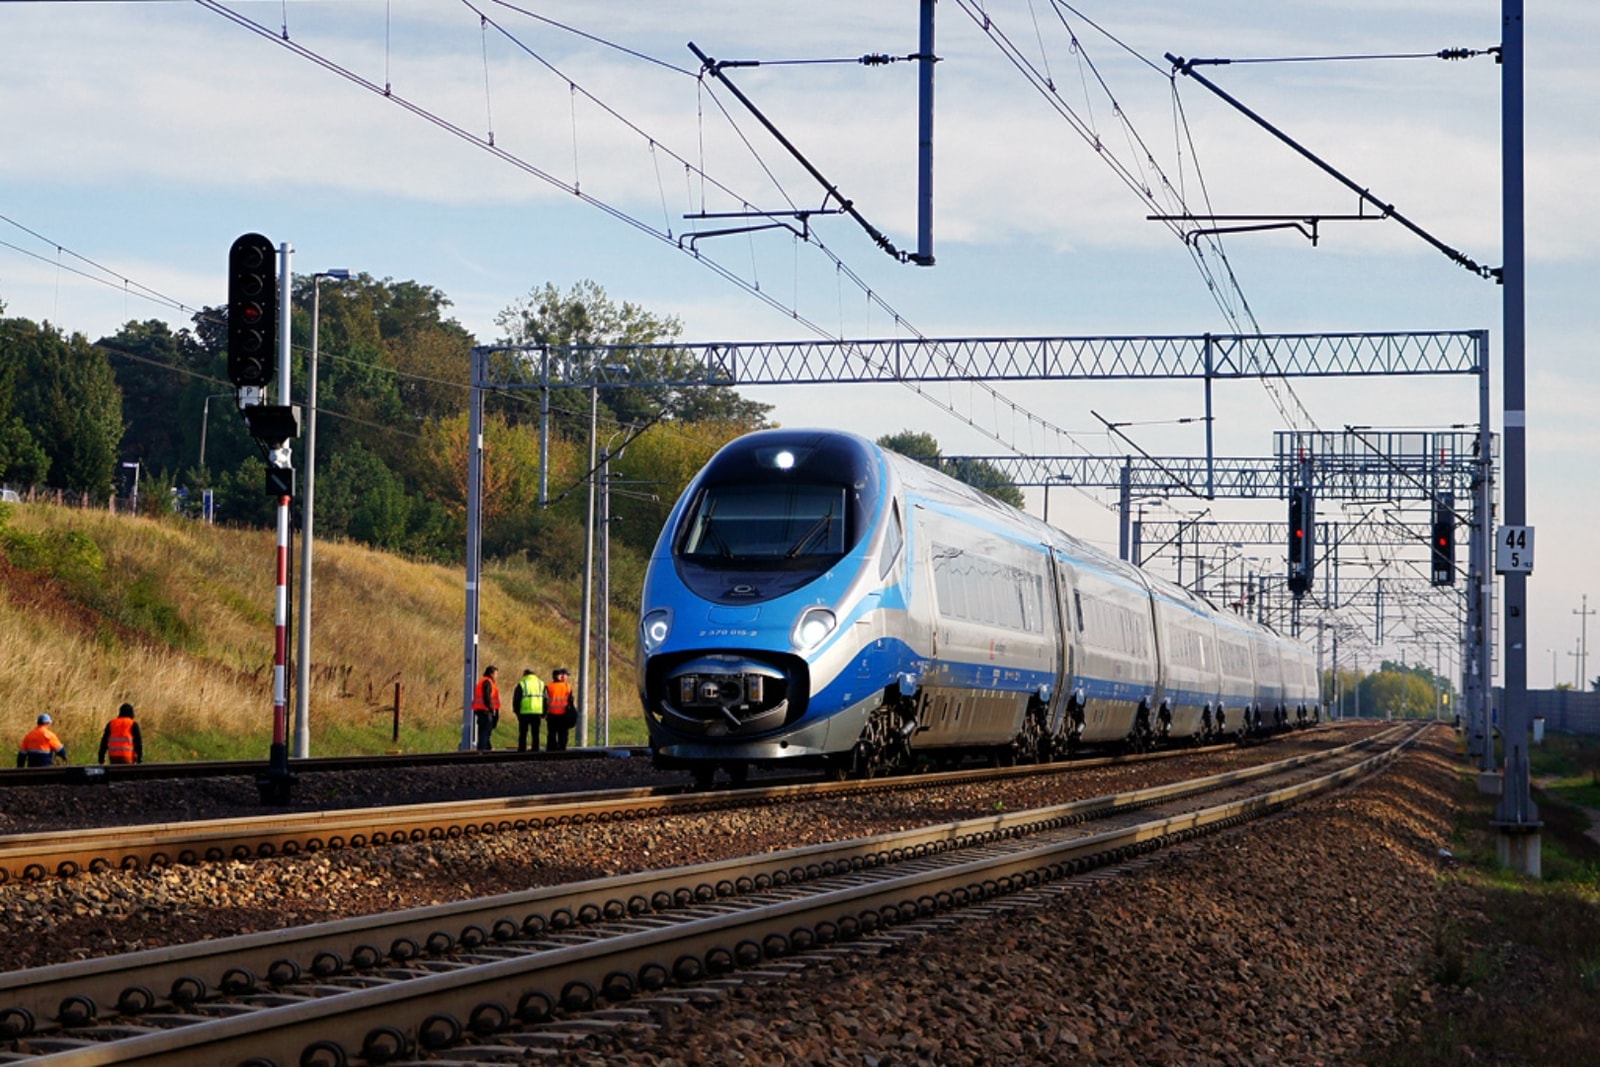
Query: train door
x,y
1064,695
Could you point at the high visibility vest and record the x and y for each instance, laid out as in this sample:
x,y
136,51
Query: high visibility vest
x,y
487,696
558,697
529,697
119,746
41,740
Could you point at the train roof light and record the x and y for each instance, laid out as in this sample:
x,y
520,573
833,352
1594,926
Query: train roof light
x,y
781,457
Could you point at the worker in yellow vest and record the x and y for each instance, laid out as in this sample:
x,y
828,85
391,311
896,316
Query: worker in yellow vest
x,y
527,700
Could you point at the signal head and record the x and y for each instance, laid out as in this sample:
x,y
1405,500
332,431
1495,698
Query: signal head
x,y
252,310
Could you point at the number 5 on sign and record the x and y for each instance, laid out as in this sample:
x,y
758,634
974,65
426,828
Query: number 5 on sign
x,y
1514,550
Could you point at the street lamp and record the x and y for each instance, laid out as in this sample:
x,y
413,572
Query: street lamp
x,y
302,683
1054,479
134,466
586,609
1136,534
205,417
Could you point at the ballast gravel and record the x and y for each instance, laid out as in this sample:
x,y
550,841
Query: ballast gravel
x,y
1294,940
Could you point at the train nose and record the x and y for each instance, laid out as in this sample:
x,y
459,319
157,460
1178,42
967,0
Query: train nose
x,y
722,695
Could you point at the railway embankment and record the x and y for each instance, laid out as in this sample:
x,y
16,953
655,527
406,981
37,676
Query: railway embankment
x,y
176,617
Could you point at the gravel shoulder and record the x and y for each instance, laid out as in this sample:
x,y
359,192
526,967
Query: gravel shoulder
x,y
1295,942
1302,939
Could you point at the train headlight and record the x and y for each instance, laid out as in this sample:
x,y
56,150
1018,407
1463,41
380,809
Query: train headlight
x,y
814,626
653,629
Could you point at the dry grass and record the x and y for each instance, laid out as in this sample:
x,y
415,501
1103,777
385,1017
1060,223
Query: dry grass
x,y
177,618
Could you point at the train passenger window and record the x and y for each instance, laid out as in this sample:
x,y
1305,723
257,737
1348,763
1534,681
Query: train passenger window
x,y
1077,604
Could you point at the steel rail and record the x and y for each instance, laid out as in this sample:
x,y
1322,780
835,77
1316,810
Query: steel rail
x,y
75,991
97,774
65,853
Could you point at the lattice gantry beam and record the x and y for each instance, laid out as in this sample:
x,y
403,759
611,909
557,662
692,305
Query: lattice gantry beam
x,y
1205,356
1226,534
1408,477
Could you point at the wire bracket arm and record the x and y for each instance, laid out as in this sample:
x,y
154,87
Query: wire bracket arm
x,y
1186,68
715,69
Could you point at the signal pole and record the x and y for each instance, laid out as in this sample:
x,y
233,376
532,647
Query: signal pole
x,y
276,790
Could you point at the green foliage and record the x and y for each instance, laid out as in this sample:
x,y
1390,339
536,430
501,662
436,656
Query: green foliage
x,y
978,473
1396,691
66,555
585,315
922,447
22,459
241,494
655,469
134,601
981,474
68,400
360,497
142,605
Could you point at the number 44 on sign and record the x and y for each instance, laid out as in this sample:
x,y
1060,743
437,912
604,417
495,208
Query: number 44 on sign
x,y
1513,550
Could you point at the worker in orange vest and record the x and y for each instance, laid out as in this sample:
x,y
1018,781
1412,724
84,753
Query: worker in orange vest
x,y
121,740
559,709
486,707
41,747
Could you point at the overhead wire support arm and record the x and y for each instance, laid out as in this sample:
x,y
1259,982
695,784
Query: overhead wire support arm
x,y
715,68
1306,224
774,220
1186,68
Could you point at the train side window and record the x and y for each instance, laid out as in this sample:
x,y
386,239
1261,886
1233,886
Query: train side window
x,y
892,541
1077,603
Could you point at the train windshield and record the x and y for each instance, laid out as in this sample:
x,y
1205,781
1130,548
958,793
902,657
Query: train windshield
x,y
782,525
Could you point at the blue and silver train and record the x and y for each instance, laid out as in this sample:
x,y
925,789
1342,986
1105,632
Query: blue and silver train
x,y
815,599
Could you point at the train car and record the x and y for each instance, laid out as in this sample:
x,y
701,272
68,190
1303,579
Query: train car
x,y
816,600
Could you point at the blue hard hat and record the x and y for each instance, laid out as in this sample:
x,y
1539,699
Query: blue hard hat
x,y
44,720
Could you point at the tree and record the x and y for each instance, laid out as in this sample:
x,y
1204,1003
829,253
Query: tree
x,y
22,460
653,471
978,473
584,315
145,359
67,397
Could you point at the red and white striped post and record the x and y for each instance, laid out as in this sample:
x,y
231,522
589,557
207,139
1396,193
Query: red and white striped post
x,y
280,643
277,783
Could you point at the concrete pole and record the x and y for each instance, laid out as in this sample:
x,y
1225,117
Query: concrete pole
x,y
1516,818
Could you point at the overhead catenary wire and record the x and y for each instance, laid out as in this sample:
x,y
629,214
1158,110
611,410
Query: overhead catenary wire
x,y
1295,414
721,270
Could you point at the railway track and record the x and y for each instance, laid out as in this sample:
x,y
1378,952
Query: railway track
x,y
66,853
94,773
506,970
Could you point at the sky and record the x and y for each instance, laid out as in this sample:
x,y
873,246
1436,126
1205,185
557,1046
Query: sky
x,y
140,138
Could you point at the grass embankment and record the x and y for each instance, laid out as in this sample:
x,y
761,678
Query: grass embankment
x,y
177,618
1515,966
